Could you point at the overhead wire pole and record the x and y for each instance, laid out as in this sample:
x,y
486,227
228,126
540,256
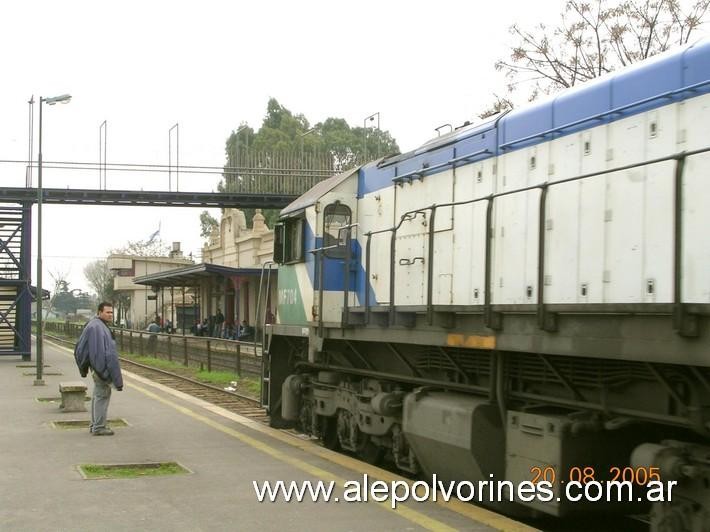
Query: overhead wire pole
x,y
102,168
371,118
28,174
176,127
236,154
301,137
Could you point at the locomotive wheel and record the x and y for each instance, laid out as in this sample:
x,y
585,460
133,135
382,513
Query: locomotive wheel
x,y
370,452
329,433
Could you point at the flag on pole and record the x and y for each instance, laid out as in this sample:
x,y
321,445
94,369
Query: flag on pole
x,y
154,235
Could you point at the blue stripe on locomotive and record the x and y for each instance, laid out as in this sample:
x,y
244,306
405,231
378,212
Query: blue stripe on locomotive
x,y
651,84
333,271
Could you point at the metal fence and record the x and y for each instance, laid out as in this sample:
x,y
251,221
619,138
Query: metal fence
x,y
256,172
211,354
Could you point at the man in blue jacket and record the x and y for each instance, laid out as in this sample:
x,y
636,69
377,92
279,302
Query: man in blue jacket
x,y
98,343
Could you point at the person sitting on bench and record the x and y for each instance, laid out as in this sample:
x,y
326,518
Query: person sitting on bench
x,y
245,331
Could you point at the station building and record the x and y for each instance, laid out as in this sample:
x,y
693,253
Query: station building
x,y
228,279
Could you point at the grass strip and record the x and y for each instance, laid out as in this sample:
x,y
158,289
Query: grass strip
x,y
246,385
109,471
217,378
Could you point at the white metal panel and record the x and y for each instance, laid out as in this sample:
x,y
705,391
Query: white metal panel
x,y
514,276
695,127
661,140
377,213
380,267
473,181
410,270
562,238
591,244
624,212
696,230
422,193
562,222
443,269
515,243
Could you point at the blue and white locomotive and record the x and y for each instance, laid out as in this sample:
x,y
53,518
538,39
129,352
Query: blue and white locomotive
x,y
528,292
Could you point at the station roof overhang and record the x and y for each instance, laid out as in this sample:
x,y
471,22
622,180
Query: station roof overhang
x,y
193,275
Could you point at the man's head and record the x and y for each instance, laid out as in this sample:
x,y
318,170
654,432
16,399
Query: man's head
x,y
244,322
105,313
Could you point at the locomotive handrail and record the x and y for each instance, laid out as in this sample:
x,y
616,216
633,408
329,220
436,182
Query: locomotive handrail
x,y
346,270
678,156
451,162
318,252
268,265
600,116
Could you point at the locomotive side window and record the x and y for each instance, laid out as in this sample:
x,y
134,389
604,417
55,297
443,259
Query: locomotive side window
x,y
293,241
279,243
335,217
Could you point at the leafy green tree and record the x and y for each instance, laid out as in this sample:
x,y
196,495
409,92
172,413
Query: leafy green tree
x,y
207,223
288,140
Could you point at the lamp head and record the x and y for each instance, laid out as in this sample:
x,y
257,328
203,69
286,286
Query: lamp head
x,y
63,98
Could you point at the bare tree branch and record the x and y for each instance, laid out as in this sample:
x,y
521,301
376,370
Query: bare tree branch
x,y
595,37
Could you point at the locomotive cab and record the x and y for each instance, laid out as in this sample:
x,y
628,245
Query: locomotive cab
x,y
317,251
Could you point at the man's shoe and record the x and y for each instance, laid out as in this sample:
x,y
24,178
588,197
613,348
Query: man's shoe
x,y
103,431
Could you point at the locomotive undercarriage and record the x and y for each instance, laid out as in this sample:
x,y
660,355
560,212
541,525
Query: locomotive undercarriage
x,y
354,395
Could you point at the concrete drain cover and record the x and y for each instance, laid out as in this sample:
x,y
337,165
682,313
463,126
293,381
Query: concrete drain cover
x,y
46,373
56,399
84,423
152,469
31,366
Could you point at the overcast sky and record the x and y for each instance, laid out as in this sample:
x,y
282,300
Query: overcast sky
x,y
143,66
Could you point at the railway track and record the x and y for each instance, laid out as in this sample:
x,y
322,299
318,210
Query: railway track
x,y
234,402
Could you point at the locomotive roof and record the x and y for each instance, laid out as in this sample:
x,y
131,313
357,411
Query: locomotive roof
x,y
671,76
315,192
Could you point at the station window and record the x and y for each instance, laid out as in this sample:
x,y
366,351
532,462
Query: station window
x,y
335,217
288,241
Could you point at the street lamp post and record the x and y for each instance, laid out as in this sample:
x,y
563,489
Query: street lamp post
x,y
371,118
64,98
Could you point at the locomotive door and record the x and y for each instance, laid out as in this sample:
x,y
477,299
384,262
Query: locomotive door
x,y
410,270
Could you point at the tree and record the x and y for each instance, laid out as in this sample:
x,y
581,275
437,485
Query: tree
x,y
282,131
595,37
60,285
286,138
100,278
500,104
207,223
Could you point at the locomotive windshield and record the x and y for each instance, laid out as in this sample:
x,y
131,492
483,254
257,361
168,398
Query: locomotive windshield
x,y
335,217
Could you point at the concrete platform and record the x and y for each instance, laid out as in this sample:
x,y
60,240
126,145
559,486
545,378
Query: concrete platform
x,y
41,489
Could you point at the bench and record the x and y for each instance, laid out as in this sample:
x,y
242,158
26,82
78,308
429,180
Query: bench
x,y
73,394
